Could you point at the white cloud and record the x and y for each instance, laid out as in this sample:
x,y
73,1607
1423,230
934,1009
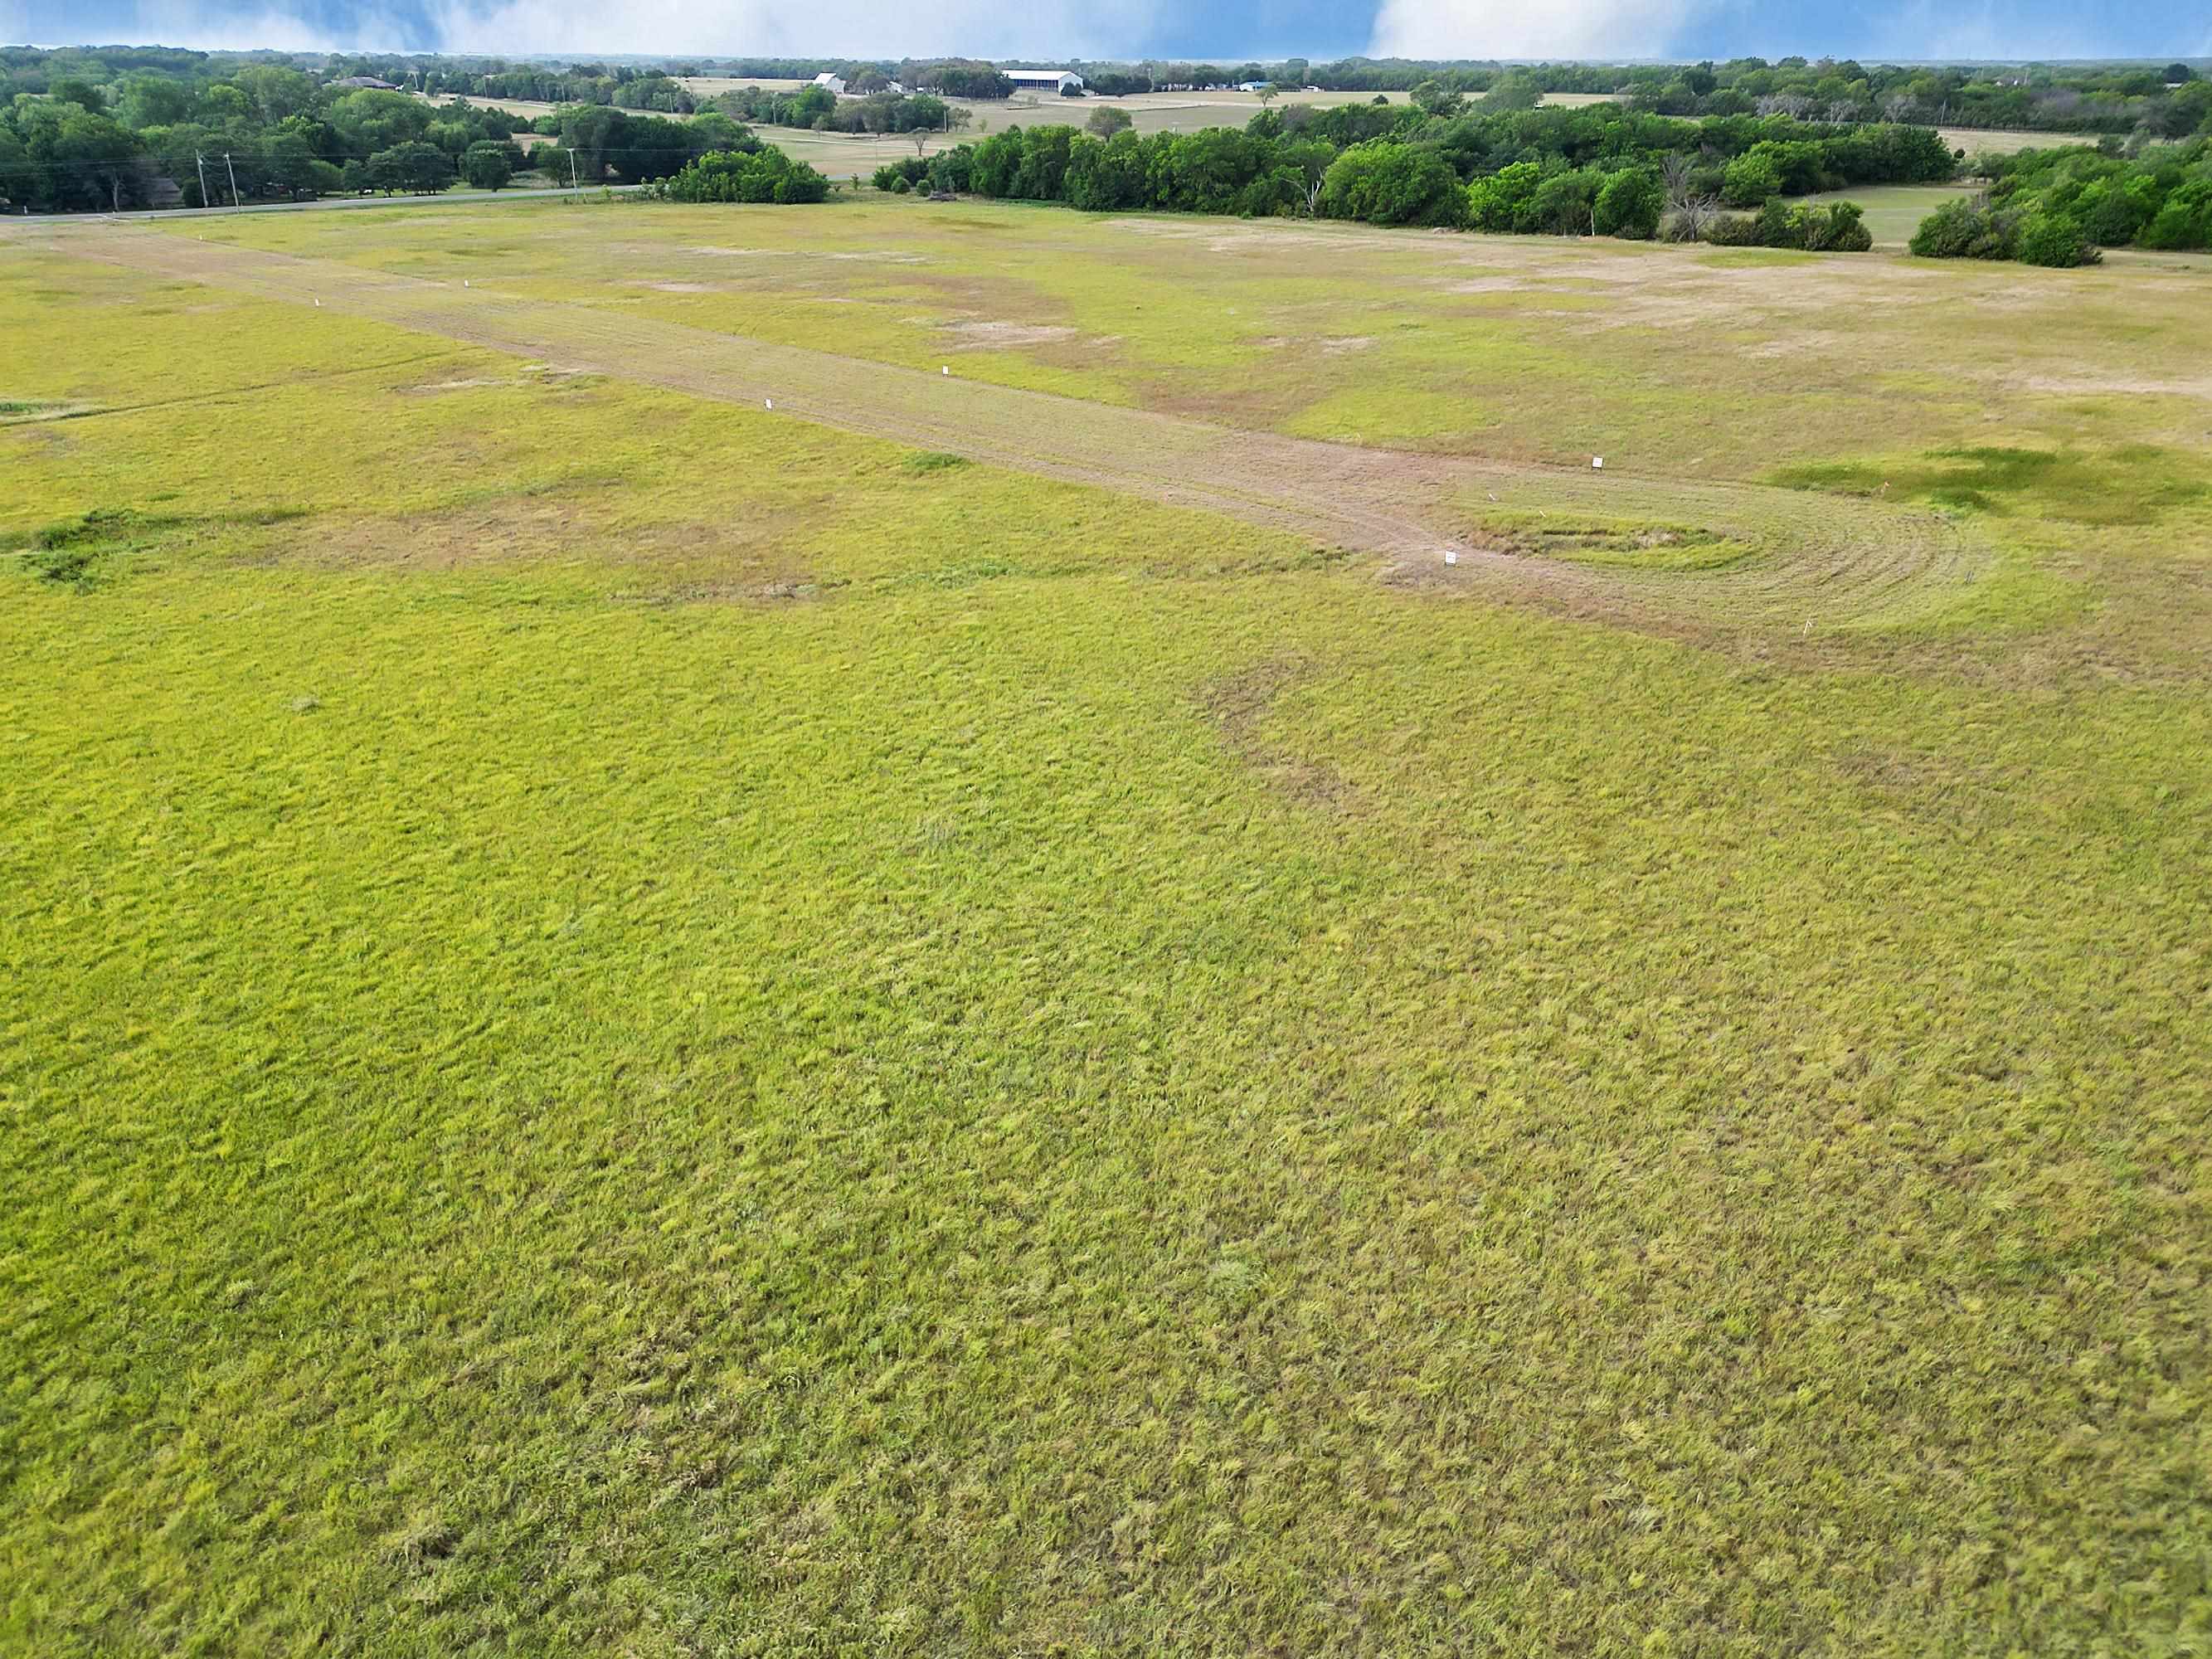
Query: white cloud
x,y
775,28
1533,28
217,27
759,28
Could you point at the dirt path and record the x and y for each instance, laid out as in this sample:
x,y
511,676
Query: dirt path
x,y
1818,562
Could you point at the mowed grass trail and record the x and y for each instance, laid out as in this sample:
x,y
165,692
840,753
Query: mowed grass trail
x,y
645,1028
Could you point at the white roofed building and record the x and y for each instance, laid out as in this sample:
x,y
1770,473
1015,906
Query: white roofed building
x,y
1053,81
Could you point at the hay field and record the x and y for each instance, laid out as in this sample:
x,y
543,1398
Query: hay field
x,y
988,1012
2000,141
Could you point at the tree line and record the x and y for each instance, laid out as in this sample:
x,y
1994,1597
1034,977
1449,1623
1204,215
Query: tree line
x,y
1599,170
267,133
821,110
2060,207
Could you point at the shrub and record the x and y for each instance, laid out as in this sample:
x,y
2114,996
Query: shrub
x,y
1629,204
1387,184
1967,230
1839,227
1732,230
1750,179
2051,239
1507,199
1565,203
767,175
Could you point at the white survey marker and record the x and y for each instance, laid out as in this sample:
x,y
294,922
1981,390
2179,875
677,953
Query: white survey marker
x,y
1451,556
1597,463
767,403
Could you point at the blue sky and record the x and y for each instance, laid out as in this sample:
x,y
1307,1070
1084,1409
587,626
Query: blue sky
x,y
1893,29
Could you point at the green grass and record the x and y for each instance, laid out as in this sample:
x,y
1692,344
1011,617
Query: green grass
x,y
1544,348
2135,484
641,1028
1894,212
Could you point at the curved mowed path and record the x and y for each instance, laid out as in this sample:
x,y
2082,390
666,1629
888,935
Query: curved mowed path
x,y
1812,562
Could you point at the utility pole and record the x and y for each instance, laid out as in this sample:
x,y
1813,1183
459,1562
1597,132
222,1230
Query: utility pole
x,y
200,162
235,205
573,184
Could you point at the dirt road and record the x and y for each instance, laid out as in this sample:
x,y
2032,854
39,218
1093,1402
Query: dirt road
x,y
1816,564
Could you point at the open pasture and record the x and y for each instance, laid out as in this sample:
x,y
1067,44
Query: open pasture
x,y
1999,141
987,1012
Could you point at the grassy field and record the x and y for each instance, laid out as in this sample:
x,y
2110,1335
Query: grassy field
x,y
1894,212
1999,141
647,1026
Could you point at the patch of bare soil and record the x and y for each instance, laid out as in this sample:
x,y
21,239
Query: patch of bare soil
x,y
993,336
1238,707
2100,386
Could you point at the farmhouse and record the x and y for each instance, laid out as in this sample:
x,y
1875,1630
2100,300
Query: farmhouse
x,y
1052,81
835,82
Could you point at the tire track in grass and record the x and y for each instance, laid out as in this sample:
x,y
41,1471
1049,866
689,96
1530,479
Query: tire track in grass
x,y
1815,562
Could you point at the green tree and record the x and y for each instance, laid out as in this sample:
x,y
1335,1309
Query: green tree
x,y
368,121
1106,120
487,166
2052,239
764,175
1433,98
153,101
276,91
1387,184
1506,200
1518,91
1565,203
415,166
85,96
1750,179
1629,204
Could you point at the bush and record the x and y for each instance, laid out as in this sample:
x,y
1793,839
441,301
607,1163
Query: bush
x,y
1750,179
1967,230
1387,184
901,175
949,170
1839,227
1629,204
767,175
2051,239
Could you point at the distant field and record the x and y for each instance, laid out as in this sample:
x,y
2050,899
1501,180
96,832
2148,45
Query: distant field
x,y
1979,141
523,106
712,86
1894,212
988,1012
